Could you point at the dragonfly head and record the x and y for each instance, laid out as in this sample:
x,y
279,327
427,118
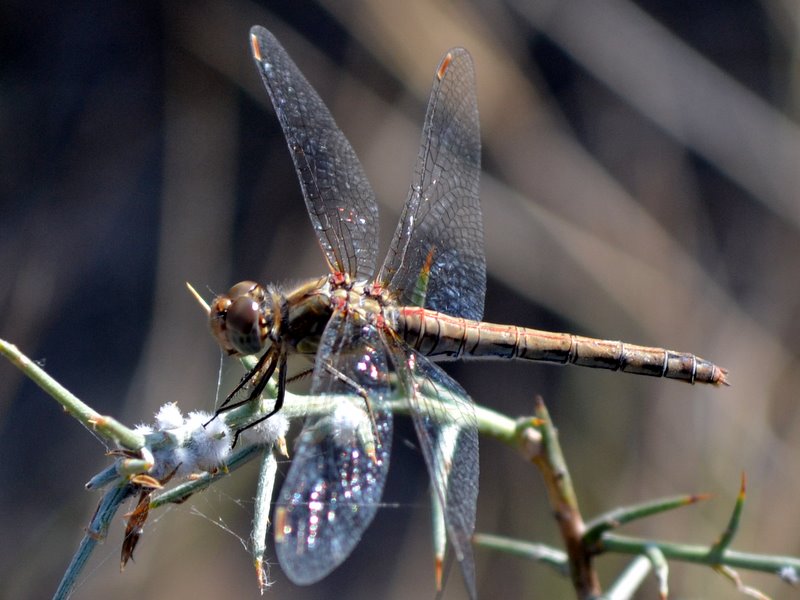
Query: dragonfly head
x,y
240,320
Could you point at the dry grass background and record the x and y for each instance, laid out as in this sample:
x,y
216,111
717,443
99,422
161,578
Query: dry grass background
x,y
640,183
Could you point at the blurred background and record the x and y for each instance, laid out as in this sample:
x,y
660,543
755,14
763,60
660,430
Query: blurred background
x,y
640,183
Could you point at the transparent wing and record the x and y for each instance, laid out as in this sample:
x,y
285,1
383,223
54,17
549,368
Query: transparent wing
x,y
444,418
338,196
436,258
339,467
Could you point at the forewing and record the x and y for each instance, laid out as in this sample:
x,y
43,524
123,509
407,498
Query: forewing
x,y
444,418
338,196
339,467
436,258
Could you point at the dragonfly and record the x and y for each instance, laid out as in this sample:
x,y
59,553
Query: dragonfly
x,y
373,334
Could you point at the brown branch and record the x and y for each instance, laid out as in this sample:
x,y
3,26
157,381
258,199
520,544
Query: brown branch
x,y
550,462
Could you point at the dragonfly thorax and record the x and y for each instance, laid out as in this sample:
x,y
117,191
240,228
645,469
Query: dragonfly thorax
x,y
368,300
243,320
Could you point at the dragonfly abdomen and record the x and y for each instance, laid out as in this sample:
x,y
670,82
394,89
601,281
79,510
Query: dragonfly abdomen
x,y
442,336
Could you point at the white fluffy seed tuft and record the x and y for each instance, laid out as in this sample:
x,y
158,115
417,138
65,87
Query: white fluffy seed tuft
x,y
188,447
169,417
211,444
268,431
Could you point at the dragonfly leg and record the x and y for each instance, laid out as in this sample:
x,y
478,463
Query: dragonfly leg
x,y
265,367
281,365
361,391
300,375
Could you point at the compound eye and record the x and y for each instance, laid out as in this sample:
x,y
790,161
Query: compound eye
x,y
242,324
216,321
246,288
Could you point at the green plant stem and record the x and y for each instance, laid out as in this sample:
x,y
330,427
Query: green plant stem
x,y
630,580
489,422
95,533
726,539
552,557
261,509
108,427
661,567
625,514
698,554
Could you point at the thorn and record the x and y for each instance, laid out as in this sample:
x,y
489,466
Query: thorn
x,y
733,523
261,576
125,453
534,422
741,587
282,449
147,481
97,420
197,296
694,498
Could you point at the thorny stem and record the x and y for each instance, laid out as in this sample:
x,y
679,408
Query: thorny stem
x,y
535,438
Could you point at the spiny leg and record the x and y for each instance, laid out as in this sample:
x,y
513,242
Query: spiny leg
x,y
300,375
282,383
266,366
361,391
281,365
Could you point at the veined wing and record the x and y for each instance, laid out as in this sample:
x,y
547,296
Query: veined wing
x,y
338,196
444,418
339,468
436,258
